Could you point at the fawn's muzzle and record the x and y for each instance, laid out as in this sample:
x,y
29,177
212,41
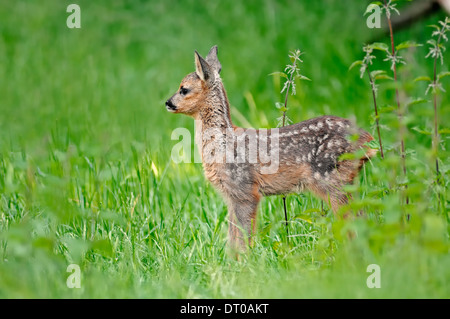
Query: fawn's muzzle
x,y
169,106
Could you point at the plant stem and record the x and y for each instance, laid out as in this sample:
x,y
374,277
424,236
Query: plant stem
x,y
287,95
399,111
436,135
285,217
284,122
372,84
436,126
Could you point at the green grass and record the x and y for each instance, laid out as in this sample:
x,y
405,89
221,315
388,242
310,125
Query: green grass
x,y
86,175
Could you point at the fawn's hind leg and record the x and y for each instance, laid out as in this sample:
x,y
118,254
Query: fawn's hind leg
x,y
334,196
242,220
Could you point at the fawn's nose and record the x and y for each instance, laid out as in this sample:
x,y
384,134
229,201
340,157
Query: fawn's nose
x,y
170,106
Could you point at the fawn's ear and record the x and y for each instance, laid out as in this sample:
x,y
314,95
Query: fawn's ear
x,y
203,69
213,60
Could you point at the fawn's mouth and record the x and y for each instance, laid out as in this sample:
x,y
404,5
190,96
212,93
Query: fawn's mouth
x,y
170,107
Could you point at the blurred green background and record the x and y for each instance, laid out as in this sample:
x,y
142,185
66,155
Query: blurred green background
x,y
86,175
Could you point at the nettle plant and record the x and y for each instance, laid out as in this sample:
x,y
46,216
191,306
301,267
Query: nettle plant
x,y
436,48
392,56
373,76
291,74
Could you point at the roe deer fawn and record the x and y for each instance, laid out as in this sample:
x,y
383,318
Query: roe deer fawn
x,y
305,155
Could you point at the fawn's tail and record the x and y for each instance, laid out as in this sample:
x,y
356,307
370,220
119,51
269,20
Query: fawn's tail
x,y
349,169
365,137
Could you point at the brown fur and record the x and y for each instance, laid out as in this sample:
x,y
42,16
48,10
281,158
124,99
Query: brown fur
x,y
308,151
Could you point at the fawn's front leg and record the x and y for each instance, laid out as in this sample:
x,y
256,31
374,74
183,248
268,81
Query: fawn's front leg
x,y
242,222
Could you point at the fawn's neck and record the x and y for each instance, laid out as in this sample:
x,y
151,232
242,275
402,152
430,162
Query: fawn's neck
x,y
216,111
213,122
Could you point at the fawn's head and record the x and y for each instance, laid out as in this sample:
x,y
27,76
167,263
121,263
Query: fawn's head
x,y
195,87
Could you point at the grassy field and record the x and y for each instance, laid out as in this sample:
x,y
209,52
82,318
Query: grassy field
x,y
86,175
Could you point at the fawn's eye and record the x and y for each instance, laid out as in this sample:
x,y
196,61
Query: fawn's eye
x,y
184,91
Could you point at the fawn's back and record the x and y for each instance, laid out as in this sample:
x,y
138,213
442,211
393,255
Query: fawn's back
x,y
302,156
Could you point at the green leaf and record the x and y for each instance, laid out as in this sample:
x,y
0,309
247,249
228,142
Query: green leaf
x,y
422,78
302,77
386,109
432,42
347,156
358,62
434,26
376,72
282,74
444,131
373,144
383,77
419,130
407,45
279,105
416,101
379,46
443,75
380,75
